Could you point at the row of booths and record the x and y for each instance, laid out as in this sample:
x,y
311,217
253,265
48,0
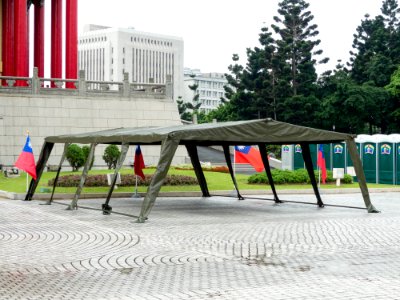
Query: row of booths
x,y
380,156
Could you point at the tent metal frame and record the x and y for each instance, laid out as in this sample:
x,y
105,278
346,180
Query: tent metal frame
x,y
169,144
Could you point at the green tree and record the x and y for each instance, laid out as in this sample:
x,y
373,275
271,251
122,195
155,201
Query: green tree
x,y
86,151
251,90
296,47
376,46
394,89
195,104
75,157
182,109
111,155
370,62
351,107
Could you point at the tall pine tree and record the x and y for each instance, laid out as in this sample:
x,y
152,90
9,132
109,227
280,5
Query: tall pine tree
x,y
376,47
296,46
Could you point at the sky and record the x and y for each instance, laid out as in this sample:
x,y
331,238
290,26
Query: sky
x,y
213,30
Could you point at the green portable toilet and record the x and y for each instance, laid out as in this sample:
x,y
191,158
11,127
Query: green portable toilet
x,y
369,158
298,161
386,159
314,154
348,161
398,163
338,151
395,138
328,156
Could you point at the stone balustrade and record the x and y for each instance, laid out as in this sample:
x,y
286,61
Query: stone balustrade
x,y
83,88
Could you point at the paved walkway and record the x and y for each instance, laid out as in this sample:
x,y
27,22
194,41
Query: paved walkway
x,y
194,248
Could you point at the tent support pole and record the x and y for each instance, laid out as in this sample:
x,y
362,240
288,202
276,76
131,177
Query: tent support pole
x,y
194,158
229,163
351,145
168,149
309,166
58,173
264,157
74,203
43,158
105,207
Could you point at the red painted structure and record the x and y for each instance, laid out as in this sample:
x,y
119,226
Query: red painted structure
x,y
15,39
71,37
38,60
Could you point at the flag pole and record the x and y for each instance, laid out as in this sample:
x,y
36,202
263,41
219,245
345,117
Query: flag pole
x,y
234,161
234,192
27,180
319,169
136,195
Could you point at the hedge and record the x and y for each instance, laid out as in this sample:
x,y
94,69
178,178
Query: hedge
x,y
293,177
126,180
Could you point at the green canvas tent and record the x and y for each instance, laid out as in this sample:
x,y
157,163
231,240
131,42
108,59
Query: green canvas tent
x,y
255,132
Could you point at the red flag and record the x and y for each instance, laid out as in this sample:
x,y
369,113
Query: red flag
x,y
26,160
138,164
249,155
321,162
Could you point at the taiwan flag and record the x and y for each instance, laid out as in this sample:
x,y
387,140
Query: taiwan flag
x,y
249,155
138,164
321,163
26,160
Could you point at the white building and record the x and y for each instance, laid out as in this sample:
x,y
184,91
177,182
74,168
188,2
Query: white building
x,y
107,53
210,88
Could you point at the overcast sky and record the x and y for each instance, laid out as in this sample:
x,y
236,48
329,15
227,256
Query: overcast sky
x,y
213,30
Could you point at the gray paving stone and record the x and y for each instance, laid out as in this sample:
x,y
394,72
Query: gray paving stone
x,y
202,248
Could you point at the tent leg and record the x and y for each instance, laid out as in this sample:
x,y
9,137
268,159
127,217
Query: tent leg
x,y
264,157
194,157
309,166
229,163
74,203
351,145
43,158
168,150
105,207
58,174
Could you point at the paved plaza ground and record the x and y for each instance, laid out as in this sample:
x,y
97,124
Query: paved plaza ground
x,y
197,248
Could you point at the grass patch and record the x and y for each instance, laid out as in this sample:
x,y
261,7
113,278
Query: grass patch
x,y
216,182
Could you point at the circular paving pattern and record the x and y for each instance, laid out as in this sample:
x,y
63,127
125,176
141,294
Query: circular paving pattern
x,y
194,249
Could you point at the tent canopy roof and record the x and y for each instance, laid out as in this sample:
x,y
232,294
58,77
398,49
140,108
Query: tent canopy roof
x,y
233,133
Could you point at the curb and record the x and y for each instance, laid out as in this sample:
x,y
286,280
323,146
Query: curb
x,y
21,196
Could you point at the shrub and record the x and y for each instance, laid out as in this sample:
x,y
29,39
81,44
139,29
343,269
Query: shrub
x,y
126,180
86,151
299,176
111,155
75,157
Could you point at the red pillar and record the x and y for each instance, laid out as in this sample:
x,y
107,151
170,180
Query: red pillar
x,y
38,52
21,47
71,45
56,39
8,38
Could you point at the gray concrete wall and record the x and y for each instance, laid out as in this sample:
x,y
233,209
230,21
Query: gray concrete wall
x,y
46,115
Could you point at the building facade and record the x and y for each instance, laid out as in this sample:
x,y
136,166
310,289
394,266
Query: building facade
x,y
56,111
210,88
107,53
